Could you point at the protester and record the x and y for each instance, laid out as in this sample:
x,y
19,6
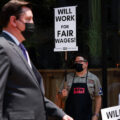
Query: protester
x,y
80,89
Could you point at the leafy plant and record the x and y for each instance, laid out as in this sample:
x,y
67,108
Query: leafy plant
x,y
94,33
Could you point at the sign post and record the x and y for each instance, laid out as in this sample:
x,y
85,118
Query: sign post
x,y
65,30
65,35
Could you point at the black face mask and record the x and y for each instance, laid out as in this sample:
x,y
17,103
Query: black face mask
x,y
78,67
29,30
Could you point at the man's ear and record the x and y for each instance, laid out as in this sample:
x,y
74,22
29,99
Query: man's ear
x,y
87,63
13,21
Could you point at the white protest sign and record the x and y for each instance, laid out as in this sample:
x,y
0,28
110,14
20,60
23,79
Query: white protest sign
x,y
111,113
65,29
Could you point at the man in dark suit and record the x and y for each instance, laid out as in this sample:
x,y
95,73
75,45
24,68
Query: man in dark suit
x,y
21,86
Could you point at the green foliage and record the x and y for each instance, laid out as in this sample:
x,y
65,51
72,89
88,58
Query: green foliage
x,y
94,33
94,41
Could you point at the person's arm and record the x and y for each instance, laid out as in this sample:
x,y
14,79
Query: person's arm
x,y
62,94
97,98
66,117
98,102
53,110
4,71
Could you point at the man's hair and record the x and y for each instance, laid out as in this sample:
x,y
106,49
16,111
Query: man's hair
x,y
12,8
81,55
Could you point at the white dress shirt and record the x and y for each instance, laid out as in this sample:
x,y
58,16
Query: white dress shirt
x,y
17,43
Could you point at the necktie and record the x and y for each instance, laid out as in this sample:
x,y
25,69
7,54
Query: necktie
x,y
23,50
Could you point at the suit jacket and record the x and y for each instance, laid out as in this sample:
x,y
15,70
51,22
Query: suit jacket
x,y
21,87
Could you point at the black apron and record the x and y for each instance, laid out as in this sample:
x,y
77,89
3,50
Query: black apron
x,y
79,103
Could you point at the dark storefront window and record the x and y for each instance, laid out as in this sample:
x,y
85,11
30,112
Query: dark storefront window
x,y
41,45
89,40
